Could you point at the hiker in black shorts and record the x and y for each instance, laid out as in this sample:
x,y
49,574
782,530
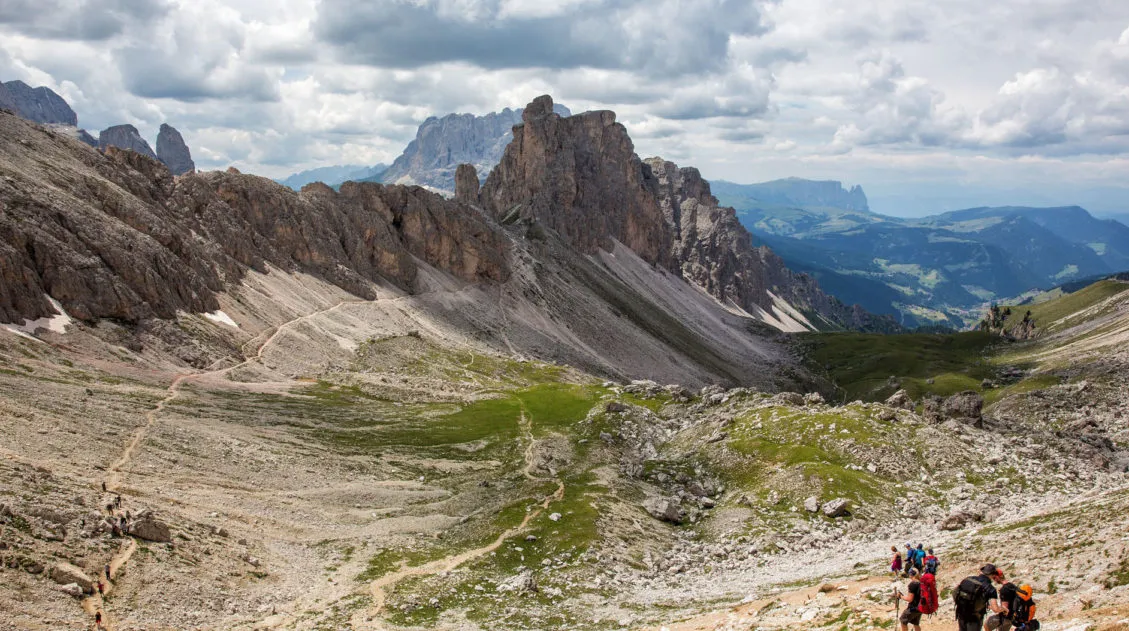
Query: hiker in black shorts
x,y
911,616
975,595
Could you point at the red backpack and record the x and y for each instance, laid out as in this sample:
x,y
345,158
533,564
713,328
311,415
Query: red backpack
x,y
927,599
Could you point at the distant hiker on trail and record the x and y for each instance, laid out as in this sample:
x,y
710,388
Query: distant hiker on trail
x,y
107,571
1020,613
896,563
975,595
932,563
911,616
118,501
98,620
919,558
103,486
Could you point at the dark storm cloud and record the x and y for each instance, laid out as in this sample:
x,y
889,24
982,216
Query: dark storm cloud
x,y
83,20
671,37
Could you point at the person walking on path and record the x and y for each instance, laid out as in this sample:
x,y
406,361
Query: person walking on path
x,y
108,577
975,595
896,562
932,563
1020,610
911,616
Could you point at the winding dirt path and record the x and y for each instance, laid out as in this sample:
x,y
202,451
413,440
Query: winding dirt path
x,y
112,480
379,588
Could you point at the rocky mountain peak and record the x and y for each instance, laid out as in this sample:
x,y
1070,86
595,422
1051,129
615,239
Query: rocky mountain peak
x,y
580,177
466,184
172,150
125,137
442,143
41,105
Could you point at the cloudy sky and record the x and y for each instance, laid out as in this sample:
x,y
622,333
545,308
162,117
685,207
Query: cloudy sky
x,y
929,104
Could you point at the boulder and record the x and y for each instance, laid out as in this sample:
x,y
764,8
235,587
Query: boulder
x,y
966,407
838,507
150,529
959,520
66,574
72,589
664,509
931,409
814,398
788,398
525,582
811,504
900,400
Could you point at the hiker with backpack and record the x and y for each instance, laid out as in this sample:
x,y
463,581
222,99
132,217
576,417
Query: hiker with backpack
x,y
1020,612
911,616
919,558
932,563
975,595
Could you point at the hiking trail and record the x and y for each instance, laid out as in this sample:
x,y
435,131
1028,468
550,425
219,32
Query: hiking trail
x,y
112,480
379,588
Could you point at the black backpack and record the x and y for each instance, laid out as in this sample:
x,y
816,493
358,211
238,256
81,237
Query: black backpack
x,y
971,598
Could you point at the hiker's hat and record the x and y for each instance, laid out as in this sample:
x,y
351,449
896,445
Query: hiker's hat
x,y
989,569
913,571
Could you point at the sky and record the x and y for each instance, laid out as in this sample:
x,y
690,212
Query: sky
x,y
928,104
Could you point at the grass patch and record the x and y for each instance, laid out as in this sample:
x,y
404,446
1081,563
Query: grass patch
x,y
1047,315
861,365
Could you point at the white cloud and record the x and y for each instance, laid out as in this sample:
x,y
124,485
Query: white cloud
x,y
901,89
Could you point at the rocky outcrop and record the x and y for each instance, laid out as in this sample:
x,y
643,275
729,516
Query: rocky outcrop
x,y
664,509
7,102
580,177
129,242
40,105
441,144
966,407
150,528
66,574
173,152
125,137
466,184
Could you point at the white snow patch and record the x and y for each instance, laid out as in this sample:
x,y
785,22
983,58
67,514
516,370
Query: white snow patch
x,y
219,317
56,323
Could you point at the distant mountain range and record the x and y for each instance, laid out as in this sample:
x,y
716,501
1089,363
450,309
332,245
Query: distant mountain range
x,y
934,270
334,175
42,105
440,146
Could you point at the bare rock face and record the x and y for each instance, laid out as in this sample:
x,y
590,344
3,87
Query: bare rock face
x,y
40,105
130,242
441,144
7,101
580,177
173,152
125,137
466,184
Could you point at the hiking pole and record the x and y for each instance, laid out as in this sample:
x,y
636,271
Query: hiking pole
x,y
897,606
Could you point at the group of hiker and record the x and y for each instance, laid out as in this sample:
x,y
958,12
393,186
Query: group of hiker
x,y
1012,607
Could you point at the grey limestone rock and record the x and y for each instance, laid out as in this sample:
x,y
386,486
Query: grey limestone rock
x,y
40,105
125,137
173,152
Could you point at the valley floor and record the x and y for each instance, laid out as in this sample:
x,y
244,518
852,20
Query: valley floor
x,y
408,478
